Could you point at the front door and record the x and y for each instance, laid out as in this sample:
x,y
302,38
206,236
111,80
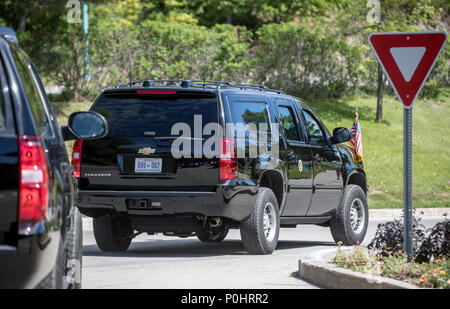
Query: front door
x,y
327,177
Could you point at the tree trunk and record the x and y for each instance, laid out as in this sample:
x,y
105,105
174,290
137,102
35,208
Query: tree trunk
x,y
379,116
229,16
22,23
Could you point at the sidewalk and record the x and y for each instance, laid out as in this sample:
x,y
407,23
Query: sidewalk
x,y
389,214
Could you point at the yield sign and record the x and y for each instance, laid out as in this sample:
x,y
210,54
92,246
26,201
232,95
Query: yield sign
x,y
407,59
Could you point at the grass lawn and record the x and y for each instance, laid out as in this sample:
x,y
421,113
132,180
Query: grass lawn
x,y
382,145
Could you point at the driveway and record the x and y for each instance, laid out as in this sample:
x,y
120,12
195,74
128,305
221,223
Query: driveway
x,y
168,262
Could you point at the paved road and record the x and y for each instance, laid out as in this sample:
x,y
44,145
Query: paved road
x,y
168,262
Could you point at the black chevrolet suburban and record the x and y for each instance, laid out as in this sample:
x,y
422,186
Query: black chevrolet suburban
x,y
177,161
40,227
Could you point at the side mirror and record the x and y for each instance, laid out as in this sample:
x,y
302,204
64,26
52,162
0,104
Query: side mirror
x,y
341,135
85,125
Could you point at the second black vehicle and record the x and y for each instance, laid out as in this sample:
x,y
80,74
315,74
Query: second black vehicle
x,y
40,227
138,179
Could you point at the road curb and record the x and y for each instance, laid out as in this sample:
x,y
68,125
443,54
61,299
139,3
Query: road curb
x,y
316,269
395,213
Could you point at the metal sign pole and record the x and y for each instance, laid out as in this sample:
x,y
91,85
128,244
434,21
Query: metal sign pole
x,y
407,182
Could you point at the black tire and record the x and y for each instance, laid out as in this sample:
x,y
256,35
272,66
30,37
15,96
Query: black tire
x,y
74,243
252,228
112,234
216,235
54,280
341,226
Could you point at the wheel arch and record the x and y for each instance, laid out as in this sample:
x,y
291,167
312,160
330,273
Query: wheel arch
x,y
358,177
274,180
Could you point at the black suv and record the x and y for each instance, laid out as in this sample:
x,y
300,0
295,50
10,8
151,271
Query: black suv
x,y
151,174
40,227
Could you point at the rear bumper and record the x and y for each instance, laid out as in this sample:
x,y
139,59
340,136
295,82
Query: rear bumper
x,y
234,200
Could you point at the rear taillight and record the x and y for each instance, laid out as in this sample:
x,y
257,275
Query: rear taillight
x,y
228,160
33,182
76,158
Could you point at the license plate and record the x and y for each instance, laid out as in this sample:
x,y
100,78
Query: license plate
x,y
148,165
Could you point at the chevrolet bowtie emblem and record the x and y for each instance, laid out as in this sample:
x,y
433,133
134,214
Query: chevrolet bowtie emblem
x,y
146,151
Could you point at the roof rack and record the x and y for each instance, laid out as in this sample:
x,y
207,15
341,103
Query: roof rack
x,y
9,34
195,83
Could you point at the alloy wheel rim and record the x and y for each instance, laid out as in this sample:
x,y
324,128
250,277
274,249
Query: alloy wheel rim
x,y
357,216
269,221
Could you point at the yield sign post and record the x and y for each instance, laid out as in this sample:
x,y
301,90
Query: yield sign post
x,y
407,59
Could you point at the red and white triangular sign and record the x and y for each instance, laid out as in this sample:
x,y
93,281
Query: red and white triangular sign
x,y
407,59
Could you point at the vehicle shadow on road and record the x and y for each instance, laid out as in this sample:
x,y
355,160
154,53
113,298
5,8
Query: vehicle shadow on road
x,y
192,248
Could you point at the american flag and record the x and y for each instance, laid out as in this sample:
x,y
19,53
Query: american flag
x,y
356,140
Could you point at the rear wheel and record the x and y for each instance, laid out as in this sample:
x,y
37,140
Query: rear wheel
x,y
349,224
112,234
259,231
74,240
216,235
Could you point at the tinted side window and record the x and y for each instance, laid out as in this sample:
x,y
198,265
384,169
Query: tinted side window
x,y
52,127
31,90
313,129
250,112
288,123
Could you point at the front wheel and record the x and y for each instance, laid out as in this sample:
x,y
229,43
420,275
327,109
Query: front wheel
x,y
349,224
259,231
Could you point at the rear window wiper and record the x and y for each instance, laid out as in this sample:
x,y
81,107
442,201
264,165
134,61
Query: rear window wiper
x,y
171,138
166,138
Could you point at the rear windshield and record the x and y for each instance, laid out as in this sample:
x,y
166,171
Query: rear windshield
x,y
148,116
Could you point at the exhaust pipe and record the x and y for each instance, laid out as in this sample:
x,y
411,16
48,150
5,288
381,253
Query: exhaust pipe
x,y
215,222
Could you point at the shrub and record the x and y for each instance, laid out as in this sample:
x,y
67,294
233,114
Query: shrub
x,y
437,243
388,238
356,259
305,60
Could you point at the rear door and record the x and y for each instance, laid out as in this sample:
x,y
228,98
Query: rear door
x,y
299,165
8,165
137,152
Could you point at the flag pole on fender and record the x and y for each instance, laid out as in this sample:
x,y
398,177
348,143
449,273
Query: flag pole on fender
x,y
356,139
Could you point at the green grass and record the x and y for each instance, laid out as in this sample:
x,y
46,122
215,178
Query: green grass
x,y
382,145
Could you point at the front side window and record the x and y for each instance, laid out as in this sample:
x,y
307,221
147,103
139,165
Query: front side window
x,y
288,123
312,127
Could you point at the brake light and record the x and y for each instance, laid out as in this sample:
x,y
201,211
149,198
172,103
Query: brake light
x,y
76,158
33,182
155,92
228,160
